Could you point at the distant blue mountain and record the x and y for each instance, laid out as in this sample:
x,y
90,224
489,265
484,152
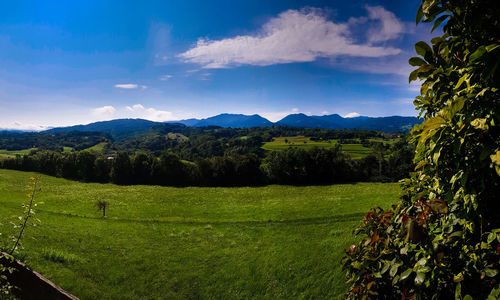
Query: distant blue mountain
x,y
12,131
229,120
302,120
126,127
387,124
117,128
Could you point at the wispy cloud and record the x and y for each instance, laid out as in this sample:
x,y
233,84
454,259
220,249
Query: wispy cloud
x,y
105,111
129,86
294,36
388,28
139,111
165,77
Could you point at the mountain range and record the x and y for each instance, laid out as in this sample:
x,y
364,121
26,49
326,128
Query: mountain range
x,y
334,121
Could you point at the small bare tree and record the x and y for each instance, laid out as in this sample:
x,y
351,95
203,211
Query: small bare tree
x,y
101,205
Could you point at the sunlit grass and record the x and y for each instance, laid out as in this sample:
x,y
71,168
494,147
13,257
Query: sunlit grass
x,y
99,148
355,151
219,243
13,153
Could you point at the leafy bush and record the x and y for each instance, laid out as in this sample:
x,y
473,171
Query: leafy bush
x,y
443,239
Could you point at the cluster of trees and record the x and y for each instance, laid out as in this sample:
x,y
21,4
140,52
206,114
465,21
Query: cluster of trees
x,y
51,141
174,154
205,142
291,166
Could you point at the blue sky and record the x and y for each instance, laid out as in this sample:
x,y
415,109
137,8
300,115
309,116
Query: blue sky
x,y
64,63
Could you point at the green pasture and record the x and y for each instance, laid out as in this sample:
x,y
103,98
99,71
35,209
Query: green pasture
x,y
99,148
356,151
13,153
272,242
282,143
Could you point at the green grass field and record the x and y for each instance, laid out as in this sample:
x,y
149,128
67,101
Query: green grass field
x,y
99,148
273,242
356,151
12,153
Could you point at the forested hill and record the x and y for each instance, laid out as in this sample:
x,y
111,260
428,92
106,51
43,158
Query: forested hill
x,y
126,127
117,128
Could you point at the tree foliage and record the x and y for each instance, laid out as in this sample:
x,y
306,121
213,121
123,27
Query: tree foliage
x,y
443,239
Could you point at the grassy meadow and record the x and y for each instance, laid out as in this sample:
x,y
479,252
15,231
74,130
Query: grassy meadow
x,y
272,242
356,151
12,153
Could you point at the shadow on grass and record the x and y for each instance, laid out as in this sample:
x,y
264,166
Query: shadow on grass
x,y
303,221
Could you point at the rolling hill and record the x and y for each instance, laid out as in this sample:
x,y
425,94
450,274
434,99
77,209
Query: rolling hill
x,y
125,127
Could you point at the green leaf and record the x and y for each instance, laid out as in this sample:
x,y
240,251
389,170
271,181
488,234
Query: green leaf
x,y
427,5
413,76
436,40
492,47
385,267
439,21
421,262
419,279
394,270
458,291
423,50
477,54
425,269
495,158
406,273
461,80
420,14
490,272
416,61
479,123
491,237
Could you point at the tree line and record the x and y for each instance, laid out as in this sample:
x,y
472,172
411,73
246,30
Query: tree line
x,y
291,166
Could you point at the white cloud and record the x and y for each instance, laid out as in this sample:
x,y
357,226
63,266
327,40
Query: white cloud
x,y
294,36
276,116
165,77
126,86
352,115
139,111
21,126
129,86
388,28
105,111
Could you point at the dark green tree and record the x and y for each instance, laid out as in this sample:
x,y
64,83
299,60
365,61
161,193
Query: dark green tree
x,y
142,167
121,172
102,167
85,165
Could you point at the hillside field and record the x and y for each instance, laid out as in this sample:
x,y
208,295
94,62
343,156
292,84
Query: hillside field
x,y
355,151
269,242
